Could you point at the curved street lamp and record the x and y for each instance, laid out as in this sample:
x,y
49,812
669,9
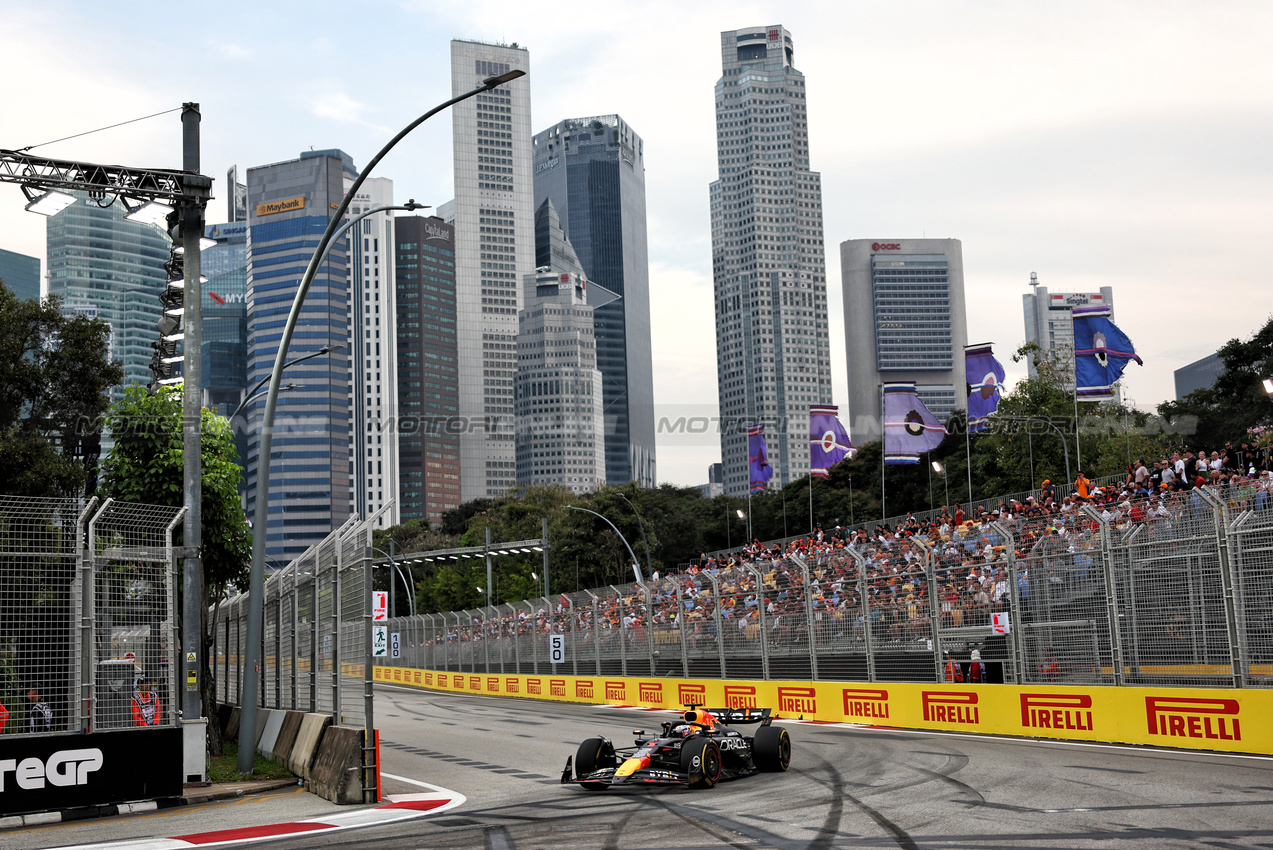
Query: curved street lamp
x,y
636,568
256,588
259,388
649,567
401,575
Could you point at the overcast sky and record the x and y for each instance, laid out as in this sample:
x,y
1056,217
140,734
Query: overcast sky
x,y
1121,144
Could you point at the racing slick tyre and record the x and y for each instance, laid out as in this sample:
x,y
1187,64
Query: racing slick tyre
x,y
594,754
772,749
700,758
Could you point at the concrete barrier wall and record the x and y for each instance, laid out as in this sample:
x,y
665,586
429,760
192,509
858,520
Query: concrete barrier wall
x,y
269,721
327,757
1234,720
308,737
287,736
336,774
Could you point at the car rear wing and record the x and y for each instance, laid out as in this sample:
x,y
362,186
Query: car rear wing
x,y
732,716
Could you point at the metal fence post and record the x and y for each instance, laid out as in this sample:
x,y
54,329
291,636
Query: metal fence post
x,y
623,635
682,626
339,628
85,608
596,632
934,607
764,625
1014,602
1220,511
716,620
1111,597
372,777
865,590
1237,561
808,616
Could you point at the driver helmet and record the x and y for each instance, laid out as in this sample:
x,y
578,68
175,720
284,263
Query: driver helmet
x,y
685,730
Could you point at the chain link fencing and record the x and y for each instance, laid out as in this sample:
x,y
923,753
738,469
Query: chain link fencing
x,y
1173,593
316,636
88,637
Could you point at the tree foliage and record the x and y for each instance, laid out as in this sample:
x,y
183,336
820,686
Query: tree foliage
x,y
146,464
1237,401
54,377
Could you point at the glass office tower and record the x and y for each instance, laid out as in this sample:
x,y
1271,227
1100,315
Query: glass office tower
x,y
593,171
769,264
290,204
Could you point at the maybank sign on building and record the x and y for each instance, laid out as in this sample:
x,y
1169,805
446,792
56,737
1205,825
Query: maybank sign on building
x,y
273,207
1231,720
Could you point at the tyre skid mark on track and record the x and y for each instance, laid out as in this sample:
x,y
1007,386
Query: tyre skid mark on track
x,y
837,787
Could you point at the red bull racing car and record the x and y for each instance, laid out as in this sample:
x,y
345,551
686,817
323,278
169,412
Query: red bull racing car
x,y
696,751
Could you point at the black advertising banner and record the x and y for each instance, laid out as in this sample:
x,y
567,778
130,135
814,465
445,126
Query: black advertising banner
x,y
43,774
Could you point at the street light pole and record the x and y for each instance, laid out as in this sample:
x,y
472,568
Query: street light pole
x,y
649,568
636,568
258,389
256,586
405,580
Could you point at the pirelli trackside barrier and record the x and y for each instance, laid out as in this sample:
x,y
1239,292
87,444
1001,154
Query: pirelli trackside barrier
x,y
1197,718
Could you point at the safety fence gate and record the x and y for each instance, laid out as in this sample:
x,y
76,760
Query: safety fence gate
x,y
1177,594
87,614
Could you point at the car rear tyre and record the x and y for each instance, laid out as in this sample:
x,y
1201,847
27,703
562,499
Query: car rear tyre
x,y
772,749
700,758
594,754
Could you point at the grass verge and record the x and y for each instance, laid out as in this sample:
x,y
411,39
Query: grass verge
x,y
225,767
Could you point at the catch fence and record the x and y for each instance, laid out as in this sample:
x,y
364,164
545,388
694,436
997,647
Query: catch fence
x,y
87,615
1177,595
316,636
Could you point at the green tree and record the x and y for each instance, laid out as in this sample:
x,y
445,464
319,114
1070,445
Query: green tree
x,y
54,377
146,465
1237,401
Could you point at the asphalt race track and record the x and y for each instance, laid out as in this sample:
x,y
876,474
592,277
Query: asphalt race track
x,y
847,787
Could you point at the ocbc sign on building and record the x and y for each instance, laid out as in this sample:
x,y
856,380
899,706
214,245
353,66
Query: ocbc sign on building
x,y
886,246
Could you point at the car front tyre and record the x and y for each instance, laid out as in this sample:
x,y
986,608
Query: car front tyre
x,y
594,754
700,759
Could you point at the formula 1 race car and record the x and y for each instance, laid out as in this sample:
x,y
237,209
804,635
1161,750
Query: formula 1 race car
x,y
695,752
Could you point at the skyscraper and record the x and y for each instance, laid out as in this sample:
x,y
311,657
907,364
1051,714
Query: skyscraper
x,y
97,259
773,355
428,375
224,369
904,320
593,171
21,274
1049,322
494,248
291,204
560,436
373,432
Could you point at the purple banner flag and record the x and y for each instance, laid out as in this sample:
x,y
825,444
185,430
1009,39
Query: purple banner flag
x,y
758,455
985,378
828,441
1101,352
909,426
